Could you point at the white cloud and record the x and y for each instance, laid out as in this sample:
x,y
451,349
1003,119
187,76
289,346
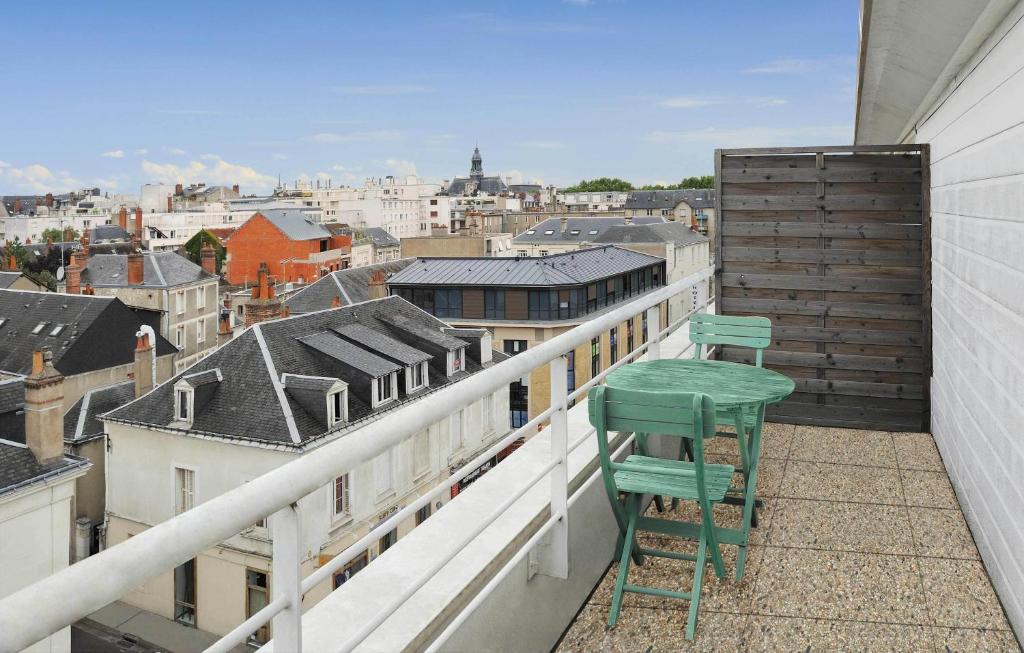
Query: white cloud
x,y
221,173
385,89
114,154
280,157
142,151
209,157
794,66
355,137
519,177
176,151
4,164
545,145
755,136
37,178
400,166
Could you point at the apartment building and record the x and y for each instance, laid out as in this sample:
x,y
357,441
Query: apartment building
x,y
567,233
442,243
374,245
593,201
694,207
279,390
526,301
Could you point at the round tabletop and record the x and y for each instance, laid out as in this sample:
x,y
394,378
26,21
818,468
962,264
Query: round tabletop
x,y
728,384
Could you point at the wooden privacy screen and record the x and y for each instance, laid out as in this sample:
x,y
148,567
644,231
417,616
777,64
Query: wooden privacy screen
x,y
833,245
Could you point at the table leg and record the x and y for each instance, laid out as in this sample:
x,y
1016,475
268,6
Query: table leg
x,y
754,453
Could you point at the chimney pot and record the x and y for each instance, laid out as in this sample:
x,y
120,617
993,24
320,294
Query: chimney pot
x,y
44,417
208,258
336,302
138,224
143,364
122,218
136,266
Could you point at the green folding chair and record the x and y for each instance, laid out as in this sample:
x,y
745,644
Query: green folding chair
x,y
683,415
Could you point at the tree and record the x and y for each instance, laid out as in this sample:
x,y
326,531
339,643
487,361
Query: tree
x,y
599,185
704,181
18,251
194,246
57,235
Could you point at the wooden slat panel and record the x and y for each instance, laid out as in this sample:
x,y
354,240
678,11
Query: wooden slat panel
x,y
806,255
827,230
516,304
472,303
861,388
797,282
845,335
836,309
843,361
880,174
828,203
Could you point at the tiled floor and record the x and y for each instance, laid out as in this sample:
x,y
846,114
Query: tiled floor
x,y
862,547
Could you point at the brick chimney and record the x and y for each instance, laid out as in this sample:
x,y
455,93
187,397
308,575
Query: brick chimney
x,y
122,218
179,189
17,206
49,200
44,409
378,289
224,328
235,188
69,235
208,259
88,290
138,224
264,304
73,276
136,265
170,204
84,242
143,366
336,302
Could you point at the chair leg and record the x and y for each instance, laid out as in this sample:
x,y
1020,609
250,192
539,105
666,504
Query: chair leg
x,y
641,445
633,507
698,581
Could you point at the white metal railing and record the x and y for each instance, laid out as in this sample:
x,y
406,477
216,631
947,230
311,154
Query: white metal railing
x,y
79,590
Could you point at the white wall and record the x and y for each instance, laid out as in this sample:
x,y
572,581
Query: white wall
x,y
977,177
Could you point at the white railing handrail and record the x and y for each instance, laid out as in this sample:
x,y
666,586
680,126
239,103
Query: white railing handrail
x,y
84,587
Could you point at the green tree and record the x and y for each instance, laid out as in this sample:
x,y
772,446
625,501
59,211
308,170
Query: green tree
x,y
58,234
18,251
599,185
704,181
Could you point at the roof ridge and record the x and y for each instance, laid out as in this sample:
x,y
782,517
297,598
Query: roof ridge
x,y
286,409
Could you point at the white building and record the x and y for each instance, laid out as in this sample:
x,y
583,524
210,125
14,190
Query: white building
x,y
593,201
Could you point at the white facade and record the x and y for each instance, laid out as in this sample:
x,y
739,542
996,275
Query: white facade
x,y
593,201
972,120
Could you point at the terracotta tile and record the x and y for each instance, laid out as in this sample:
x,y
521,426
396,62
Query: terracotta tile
x,y
771,634
960,595
843,446
839,585
942,533
917,451
841,526
824,481
645,630
963,640
928,489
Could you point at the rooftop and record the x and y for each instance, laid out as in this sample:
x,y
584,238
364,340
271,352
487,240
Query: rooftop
x,y
569,268
295,224
351,286
20,469
161,270
697,198
668,232
577,230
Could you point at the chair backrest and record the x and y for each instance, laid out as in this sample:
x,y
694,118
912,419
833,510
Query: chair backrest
x,y
680,414
709,329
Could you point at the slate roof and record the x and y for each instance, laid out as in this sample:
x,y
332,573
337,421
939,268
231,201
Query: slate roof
x,y
250,405
668,232
382,344
81,423
19,467
7,278
12,404
160,270
349,354
697,198
570,268
380,237
577,230
108,232
302,382
97,332
202,378
350,286
486,185
295,224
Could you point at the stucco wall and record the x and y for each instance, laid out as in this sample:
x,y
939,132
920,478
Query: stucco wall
x,y
977,162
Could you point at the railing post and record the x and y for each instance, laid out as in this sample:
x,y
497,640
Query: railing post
x,y
555,560
286,579
654,332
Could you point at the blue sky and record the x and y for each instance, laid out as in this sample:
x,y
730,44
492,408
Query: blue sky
x,y
118,94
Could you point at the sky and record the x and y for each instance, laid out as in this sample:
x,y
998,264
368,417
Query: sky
x,y
115,95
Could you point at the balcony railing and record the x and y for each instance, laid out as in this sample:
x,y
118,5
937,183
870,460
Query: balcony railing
x,y
93,583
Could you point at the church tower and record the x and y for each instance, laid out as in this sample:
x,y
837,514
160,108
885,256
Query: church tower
x,y
476,167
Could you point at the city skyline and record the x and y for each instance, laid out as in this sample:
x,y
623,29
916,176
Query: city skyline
x,y
550,91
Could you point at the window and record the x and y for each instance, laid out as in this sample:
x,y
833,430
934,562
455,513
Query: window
x,y
548,232
388,541
448,302
185,593
39,328
522,252
457,424
179,298
643,327
421,453
337,407
179,337
184,489
456,360
494,304
416,376
56,330
487,413
422,514
531,231
570,374
433,202
341,496
543,252
200,297
257,595
382,473
348,572
629,334
182,407
200,330
543,304
595,357
385,391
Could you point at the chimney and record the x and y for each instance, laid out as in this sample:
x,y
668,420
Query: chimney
x,y
179,189
235,188
145,358
49,200
73,276
88,290
208,259
227,300
44,409
84,242
378,289
69,235
17,206
563,223
336,302
224,328
136,265
138,224
264,304
122,218
170,204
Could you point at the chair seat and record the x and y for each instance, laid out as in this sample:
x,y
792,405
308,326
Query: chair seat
x,y
677,478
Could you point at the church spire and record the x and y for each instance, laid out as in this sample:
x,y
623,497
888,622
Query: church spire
x,y
476,166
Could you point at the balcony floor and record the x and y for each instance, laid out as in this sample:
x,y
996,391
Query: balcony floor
x,y
871,556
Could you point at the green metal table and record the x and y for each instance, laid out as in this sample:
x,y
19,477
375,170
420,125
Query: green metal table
x,y
738,391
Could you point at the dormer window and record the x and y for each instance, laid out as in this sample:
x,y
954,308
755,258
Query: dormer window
x,y
385,389
337,407
456,360
415,377
183,405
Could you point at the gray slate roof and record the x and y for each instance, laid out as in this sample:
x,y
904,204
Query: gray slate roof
x,y
380,237
382,344
668,232
571,268
295,224
577,230
697,198
160,270
485,185
97,333
246,405
79,426
19,467
108,232
350,286
349,354
8,278
202,378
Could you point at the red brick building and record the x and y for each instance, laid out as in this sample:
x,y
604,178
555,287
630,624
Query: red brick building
x,y
294,247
